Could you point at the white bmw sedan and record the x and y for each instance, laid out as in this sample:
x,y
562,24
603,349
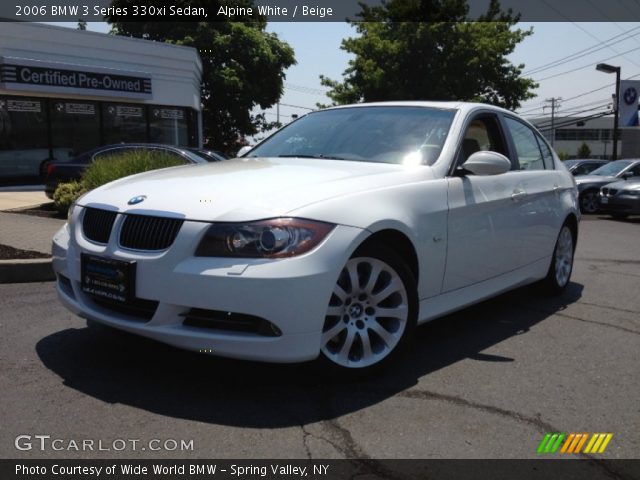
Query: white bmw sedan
x,y
330,240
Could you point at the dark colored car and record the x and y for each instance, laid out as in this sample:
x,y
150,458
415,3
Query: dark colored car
x,y
58,171
589,185
209,155
580,166
621,199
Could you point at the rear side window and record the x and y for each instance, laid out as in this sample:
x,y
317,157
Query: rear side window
x,y
110,153
547,156
526,144
168,153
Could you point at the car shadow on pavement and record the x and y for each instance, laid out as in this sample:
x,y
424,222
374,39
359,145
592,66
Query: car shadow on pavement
x,y
120,368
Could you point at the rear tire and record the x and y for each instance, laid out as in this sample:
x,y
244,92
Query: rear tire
x,y
371,314
561,267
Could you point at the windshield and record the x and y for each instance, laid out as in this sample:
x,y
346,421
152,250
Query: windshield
x,y
403,135
611,169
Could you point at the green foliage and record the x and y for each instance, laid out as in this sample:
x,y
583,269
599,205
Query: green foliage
x,y
583,151
117,166
243,67
66,194
562,155
444,57
108,169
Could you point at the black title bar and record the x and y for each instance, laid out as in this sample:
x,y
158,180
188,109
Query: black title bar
x,y
300,11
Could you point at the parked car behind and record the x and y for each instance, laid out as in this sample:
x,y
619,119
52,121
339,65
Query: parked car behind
x,y
58,171
209,155
621,199
589,185
583,166
330,240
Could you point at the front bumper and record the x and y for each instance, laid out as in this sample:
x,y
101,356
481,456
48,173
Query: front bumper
x,y
291,293
620,203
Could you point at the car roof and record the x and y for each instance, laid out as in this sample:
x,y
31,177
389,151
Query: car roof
x,y
462,106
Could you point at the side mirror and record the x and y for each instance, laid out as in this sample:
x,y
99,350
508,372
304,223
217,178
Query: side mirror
x,y
244,150
487,163
627,175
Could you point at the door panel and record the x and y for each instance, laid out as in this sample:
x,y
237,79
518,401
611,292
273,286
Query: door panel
x,y
484,228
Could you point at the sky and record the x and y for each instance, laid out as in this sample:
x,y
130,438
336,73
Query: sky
x,y
317,49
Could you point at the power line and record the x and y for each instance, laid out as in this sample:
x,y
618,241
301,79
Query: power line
x,y
590,64
545,126
546,123
582,53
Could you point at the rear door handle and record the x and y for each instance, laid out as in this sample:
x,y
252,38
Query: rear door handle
x,y
518,194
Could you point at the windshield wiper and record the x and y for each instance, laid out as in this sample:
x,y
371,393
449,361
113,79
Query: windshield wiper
x,y
325,157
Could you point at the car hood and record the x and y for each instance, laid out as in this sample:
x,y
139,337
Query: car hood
x,y
582,179
625,185
247,188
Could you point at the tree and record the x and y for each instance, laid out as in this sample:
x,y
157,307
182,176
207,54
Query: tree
x,y
583,151
444,57
243,67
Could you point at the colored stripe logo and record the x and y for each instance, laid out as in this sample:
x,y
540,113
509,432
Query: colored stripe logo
x,y
574,443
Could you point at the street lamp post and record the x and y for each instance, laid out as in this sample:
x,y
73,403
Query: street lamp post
x,y
606,68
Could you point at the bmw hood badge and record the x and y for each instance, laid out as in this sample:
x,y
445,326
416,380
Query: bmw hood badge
x,y
137,200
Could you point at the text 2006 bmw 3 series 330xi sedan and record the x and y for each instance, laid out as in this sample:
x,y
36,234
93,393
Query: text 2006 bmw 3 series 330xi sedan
x,y
330,240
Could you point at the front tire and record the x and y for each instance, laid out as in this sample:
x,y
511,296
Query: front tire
x,y
589,202
372,312
561,266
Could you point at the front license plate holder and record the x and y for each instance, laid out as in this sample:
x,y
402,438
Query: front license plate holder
x,y
107,278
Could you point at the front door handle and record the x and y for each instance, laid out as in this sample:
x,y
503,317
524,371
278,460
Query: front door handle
x,y
518,194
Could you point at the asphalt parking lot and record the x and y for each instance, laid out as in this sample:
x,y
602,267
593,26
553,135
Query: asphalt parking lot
x,y
488,381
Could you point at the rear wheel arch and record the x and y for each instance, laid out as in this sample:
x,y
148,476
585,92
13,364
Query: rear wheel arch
x,y
572,222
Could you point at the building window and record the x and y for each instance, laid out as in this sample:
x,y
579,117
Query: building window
x,y
24,144
124,123
75,127
583,134
168,125
34,130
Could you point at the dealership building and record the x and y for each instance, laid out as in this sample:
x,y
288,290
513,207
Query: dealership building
x,y
596,133
65,91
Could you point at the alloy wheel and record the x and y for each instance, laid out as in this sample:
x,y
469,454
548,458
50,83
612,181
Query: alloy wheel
x,y
589,202
367,314
564,257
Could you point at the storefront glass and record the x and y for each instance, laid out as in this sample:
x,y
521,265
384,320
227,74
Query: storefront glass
x,y
23,135
34,130
75,127
124,123
169,125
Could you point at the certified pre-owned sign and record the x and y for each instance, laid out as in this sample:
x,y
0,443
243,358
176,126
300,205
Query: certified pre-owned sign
x,y
24,74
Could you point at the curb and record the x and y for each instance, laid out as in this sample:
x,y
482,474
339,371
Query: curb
x,y
28,270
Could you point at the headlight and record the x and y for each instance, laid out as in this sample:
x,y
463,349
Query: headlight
x,y
274,238
635,193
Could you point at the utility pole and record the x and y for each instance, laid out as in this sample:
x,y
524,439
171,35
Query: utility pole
x,y
555,103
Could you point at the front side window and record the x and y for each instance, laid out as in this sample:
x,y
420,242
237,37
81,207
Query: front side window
x,y
401,135
482,134
527,148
